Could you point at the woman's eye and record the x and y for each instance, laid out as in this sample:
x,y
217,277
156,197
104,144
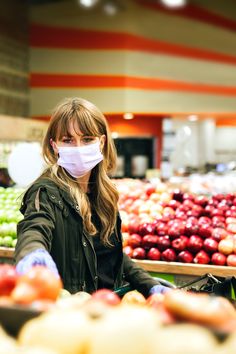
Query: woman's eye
x,y
67,140
87,139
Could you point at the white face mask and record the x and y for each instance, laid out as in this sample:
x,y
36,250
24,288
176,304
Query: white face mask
x,y
78,160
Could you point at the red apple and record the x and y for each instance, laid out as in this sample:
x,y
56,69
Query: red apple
x,y
195,243
210,245
218,196
209,209
218,258
185,257
201,200
223,206
8,279
163,243
146,229
174,204
162,229
183,208
154,254
177,229
168,255
212,202
181,215
205,230
188,203
149,241
139,253
179,244
203,220
218,221
201,258
133,226
217,212
231,260
219,233
128,250
134,240
191,228
107,296
188,196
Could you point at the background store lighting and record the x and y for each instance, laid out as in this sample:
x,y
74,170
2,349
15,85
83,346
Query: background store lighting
x,y
25,163
174,3
192,118
110,8
114,135
128,115
88,3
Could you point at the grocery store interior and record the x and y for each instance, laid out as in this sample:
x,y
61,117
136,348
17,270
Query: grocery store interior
x,y
163,72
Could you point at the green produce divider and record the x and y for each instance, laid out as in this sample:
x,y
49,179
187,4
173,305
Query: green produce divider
x,y
168,277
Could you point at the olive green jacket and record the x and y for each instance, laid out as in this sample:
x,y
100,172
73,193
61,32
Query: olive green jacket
x,y
52,221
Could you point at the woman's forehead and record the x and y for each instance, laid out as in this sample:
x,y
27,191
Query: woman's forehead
x,y
72,129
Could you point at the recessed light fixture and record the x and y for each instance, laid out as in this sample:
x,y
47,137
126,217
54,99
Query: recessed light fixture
x,y
174,3
110,8
128,115
87,3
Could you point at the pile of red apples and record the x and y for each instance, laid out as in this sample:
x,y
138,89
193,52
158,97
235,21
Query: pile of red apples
x,y
176,226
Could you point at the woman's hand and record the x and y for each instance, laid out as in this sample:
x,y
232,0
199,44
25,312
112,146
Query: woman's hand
x,y
37,257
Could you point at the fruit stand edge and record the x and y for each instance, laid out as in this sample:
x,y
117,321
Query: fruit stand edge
x,y
6,252
186,268
164,267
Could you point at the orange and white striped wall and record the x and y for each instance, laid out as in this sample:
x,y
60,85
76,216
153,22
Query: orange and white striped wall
x,y
146,60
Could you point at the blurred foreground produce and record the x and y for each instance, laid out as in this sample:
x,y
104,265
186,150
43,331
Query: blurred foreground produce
x,y
169,225
38,284
97,326
9,215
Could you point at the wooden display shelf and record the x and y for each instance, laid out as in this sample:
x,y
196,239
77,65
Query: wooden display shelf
x,y
164,267
186,268
6,252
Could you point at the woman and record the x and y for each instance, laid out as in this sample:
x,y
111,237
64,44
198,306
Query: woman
x,y
71,222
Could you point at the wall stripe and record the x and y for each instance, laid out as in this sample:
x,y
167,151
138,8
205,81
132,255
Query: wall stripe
x,y
102,81
194,12
69,38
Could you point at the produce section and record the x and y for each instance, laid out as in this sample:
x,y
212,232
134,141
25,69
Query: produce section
x,y
165,230
160,224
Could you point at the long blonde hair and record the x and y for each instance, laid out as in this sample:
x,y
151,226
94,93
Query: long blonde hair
x,y
91,122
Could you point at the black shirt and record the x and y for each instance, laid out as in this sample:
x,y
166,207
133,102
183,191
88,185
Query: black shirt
x,y
108,257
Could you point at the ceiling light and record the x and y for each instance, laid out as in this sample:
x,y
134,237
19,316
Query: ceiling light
x,y
128,115
87,3
174,3
110,8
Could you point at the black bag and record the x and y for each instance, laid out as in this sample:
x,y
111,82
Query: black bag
x,y
213,285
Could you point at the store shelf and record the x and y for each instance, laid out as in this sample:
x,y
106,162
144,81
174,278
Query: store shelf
x,y
186,269
164,267
6,252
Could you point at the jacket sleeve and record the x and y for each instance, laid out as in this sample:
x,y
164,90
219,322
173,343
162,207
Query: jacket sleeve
x,y
137,277
36,229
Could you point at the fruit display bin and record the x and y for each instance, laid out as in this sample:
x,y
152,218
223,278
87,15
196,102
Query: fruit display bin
x,y
6,254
